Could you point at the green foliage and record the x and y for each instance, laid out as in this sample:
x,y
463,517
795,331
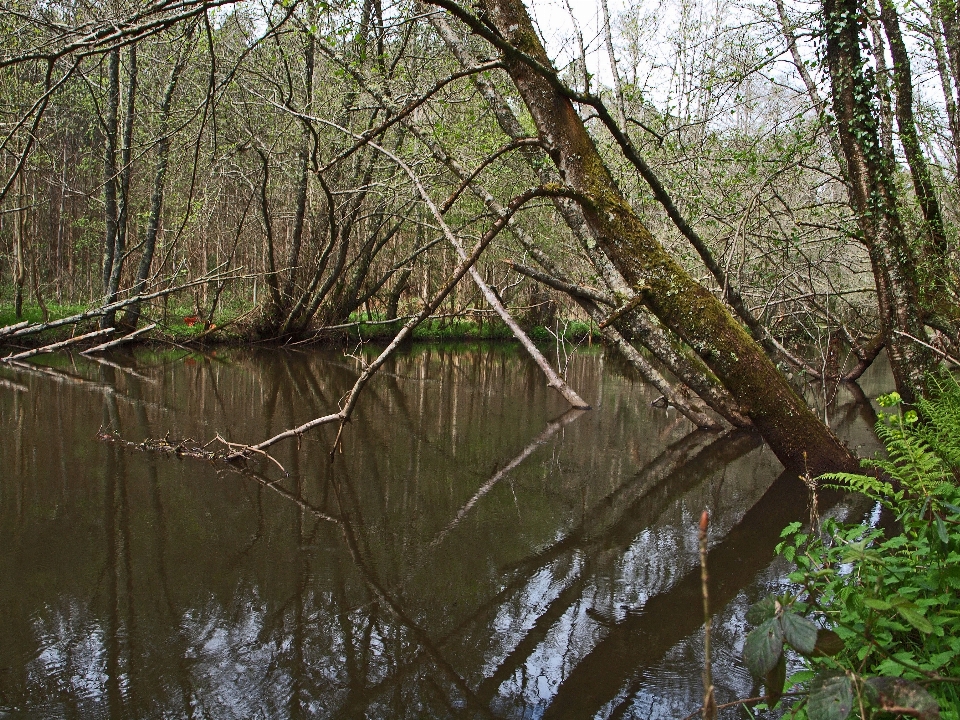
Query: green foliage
x,y
33,313
881,607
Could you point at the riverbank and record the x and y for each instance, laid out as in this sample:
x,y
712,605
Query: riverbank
x,y
180,326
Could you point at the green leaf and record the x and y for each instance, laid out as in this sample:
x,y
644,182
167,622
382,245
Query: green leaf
x,y
911,613
828,643
763,648
942,531
903,697
790,529
774,680
762,611
799,632
877,604
798,678
831,698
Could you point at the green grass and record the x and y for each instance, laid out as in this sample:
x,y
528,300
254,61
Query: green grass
x,y
177,330
33,313
463,329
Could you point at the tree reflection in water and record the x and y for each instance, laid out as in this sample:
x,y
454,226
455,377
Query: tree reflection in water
x,y
471,552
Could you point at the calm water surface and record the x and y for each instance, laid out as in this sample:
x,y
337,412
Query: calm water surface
x,y
473,551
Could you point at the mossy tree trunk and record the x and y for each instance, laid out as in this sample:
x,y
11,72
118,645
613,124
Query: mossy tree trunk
x,y
794,433
873,195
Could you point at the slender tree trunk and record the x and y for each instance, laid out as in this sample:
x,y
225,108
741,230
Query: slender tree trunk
x,y
808,82
393,299
132,315
795,434
946,83
123,194
273,313
637,324
303,175
946,12
19,239
110,166
614,70
936,242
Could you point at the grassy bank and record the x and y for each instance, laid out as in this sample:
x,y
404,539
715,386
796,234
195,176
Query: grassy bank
x,y
238,325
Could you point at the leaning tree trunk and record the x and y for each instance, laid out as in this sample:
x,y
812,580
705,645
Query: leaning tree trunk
x,y
795,434
634,324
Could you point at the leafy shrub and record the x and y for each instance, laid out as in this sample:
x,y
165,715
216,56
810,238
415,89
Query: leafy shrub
x,y
876,621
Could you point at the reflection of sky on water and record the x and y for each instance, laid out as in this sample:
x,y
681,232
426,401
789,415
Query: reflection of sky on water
x,y
147,587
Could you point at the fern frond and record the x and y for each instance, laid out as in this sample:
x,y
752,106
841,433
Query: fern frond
x,y
942,427
867,485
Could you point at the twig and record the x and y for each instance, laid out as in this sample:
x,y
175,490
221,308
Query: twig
x,y
244,448
214,327
744,701
631,304
937,350
181,448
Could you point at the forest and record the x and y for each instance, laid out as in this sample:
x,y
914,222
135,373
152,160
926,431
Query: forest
x,y
724,236
748,192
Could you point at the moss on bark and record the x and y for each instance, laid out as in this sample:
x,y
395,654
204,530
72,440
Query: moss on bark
x,y
794,433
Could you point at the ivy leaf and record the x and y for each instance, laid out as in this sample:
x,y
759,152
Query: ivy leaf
x,y
799,632
911,613
774,680
828,643
763,648
762,611
831,698
902,697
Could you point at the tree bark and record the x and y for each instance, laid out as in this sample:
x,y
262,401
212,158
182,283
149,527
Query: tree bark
x,y
794,433
110,165
132,315
636,325
303,174
123,189
946,82
19,239
936,241
874,199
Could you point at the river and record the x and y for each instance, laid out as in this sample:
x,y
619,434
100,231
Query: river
x,y
469,550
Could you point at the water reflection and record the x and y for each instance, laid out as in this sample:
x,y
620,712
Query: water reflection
x,y
472,551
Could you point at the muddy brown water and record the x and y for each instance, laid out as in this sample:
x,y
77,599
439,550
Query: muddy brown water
x,y
473,550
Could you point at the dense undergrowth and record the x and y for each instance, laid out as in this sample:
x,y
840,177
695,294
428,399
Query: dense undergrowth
x,y
875,617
